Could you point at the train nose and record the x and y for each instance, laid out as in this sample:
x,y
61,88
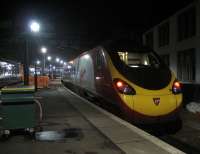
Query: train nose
x,y
152,104
156,105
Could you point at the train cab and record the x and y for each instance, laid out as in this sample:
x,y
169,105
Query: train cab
x,y
148,90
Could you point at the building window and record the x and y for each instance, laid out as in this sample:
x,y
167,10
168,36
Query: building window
x,y
163,34
149,39
187,24
165,58
186,65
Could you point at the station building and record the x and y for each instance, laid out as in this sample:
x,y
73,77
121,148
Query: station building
x,y
177,41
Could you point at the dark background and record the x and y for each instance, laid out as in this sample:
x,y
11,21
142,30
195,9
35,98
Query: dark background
x,y
71,27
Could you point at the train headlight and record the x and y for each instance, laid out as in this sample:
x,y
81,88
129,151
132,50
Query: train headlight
x,y
123,87
119,84
176,88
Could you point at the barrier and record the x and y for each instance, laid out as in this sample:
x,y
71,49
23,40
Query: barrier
x,y
42,81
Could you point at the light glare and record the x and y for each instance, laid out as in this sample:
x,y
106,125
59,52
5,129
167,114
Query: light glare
x,y
35,27
49,58
86,56
57,60
37,62
44,50
119,84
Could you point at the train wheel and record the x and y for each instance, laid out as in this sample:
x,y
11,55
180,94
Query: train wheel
x,y
5,135
30,133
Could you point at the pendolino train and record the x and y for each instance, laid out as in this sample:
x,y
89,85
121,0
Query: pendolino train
x,y
131,77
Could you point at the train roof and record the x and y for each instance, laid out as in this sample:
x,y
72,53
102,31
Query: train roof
x,y
120,45
125,45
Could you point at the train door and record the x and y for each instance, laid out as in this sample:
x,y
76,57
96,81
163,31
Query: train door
x,y
102,76
99,72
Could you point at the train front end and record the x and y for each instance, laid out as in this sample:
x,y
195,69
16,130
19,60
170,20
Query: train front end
x,y
149,106
147,90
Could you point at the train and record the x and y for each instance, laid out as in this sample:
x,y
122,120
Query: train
x,y
9,72
129,76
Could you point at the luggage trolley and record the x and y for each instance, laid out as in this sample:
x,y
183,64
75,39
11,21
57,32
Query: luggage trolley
x,y
17,110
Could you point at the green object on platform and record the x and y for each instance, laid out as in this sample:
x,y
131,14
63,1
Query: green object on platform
x,y
18,116
19,94
18,108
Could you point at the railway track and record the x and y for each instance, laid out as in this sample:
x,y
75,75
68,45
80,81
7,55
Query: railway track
x,y
185,147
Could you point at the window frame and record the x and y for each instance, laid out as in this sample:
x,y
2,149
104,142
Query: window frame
x,y
149,39
182,66
186,24
164,34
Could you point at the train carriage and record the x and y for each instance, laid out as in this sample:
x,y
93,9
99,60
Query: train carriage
x,y
131,77
9,72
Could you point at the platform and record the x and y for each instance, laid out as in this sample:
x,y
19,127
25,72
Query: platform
x,y
72,125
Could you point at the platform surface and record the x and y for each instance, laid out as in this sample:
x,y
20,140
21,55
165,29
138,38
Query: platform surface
x,y
72,125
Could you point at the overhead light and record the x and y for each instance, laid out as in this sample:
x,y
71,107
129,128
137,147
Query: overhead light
x,y
49,58
35,26
134,66
37,62
57,59
44,50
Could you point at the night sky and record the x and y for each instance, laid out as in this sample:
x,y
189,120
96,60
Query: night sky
x,y
122,13
89,20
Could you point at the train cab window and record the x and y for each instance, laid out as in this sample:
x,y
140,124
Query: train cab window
x,y
147,59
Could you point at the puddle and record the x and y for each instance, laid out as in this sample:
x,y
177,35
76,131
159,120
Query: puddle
x,y
49,124
58,135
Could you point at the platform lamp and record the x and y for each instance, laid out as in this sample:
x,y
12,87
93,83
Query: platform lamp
x,y
44,51
35,77
34,27
49,59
